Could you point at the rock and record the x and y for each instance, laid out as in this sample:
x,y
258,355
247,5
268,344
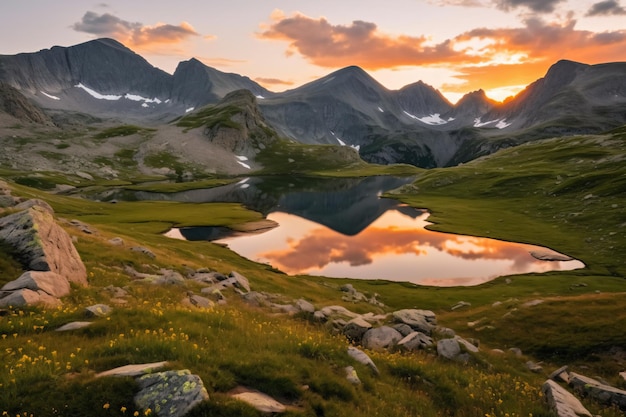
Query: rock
x,y
534,367
421,320
416,340
143,250
41,244
443,332
116,241
262,402
239,281
466,344
83,227
48,282
460,304
362,358
349,288
116,292
336,311
305,307
516,351
207,277
198,301
285,308
497,351
26,297
171,393
254,298
560,374
352,376
7,201
379,338
169,277
598,390
532,303
562,401
133,370
404,329
35,202
355,329
448,348
544,255
623,375
75,325
98,310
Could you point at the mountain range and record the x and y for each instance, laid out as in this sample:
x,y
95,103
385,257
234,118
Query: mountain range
x,y
415,124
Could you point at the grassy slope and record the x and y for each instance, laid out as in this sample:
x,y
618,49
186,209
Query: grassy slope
x,y
535,193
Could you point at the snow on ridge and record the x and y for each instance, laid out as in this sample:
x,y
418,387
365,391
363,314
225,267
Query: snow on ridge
x,y
244,165
190,109
342,143
260,97
503,124
380,110
135,97
433,119
97,95
50,95
499,123
241,157
357,147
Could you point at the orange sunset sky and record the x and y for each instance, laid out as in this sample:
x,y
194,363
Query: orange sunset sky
x,y
457,46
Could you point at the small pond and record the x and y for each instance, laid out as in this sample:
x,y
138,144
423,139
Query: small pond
x,y
343,228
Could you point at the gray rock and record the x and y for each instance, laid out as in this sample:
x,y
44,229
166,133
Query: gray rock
x,y
534,367
471,347
143,250
171,393
305,307
207,277
460,304
41,244
448,348
133,370
26,297
379,338
598,390
361,357
516,351
421,320
337,311
560,374
285,308
255,298
98,310
116,292
352,376
532,303
75,325
260,401
443,332
198,301
562,401
416,340
48,282
355,329
116,241
240,281
169,277
404,329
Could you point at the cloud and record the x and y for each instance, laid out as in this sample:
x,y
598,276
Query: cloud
x,y
133,34
606,8
272,81
538,6
461,3
360,43
220,62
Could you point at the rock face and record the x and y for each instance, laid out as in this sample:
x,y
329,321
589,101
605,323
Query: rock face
x,y
562,402
171,393
41,244
597,390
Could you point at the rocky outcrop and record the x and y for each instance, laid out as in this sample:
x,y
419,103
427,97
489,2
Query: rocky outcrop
x,y
380,338
598,390
171,393
17,105
562,401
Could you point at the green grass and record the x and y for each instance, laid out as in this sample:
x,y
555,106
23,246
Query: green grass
x,y
564,193
123,130
210,117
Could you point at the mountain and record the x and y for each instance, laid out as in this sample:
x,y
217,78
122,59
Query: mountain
x,y
415,124
14,104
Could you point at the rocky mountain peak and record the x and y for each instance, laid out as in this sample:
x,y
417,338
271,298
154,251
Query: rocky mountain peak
x,y
15,104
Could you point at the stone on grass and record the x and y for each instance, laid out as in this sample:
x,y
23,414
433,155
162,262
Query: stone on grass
x,y
562,401
598,390
143,250
133,370
534,367
448,348
351,375
117,241
75,325
98,310
170,393
239,281
25,297
421,320
48,282
404,329
380,338
471,347
362,358
198,301
460,304
560,374
416,340
305,307
260,401
355,329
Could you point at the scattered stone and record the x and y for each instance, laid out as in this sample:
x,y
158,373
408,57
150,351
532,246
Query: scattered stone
x,y
116,292
496,304
305,307
380,338
253,298
416,340
534,367
207,277
171,393
421,320
362,358
285,308
117,241
460,304
472,347
143,250
262,402
75,325
598,390
239,281
562,401
443,332
98,310
133,370
169,277
355,329
83,227
448,348
404,329
352,376
516,351
198,301
532,303
560,374
336,311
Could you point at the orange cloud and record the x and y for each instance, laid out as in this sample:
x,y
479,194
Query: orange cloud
x,y
133,34
272,81
320,247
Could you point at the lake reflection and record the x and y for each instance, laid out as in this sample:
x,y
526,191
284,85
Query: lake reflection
x,y
394,247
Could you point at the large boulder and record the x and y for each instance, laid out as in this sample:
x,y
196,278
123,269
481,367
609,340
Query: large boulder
x,y
171,393
25,297
448,348
41,244
49,282
420,320
362,357
380,338
355,329
597,390
416,340
562,401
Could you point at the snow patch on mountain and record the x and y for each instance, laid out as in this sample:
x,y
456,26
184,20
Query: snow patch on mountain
x,y
135,97
433,119
260,97
243,164
342,143
503,124
190,109
50,95
95,94
241,157
498,123
380,110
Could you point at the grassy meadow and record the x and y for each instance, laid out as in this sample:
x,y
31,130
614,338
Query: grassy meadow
x,y
564,193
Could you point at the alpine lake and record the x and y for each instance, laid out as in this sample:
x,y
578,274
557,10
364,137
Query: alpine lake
x,y
343,228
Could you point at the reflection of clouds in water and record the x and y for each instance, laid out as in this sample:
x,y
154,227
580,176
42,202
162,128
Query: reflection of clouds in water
x,y
320,247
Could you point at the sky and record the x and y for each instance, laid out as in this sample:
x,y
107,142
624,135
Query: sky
x,y
456,46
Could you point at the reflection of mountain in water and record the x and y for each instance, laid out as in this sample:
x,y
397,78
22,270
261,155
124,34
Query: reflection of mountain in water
x,y
345,205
